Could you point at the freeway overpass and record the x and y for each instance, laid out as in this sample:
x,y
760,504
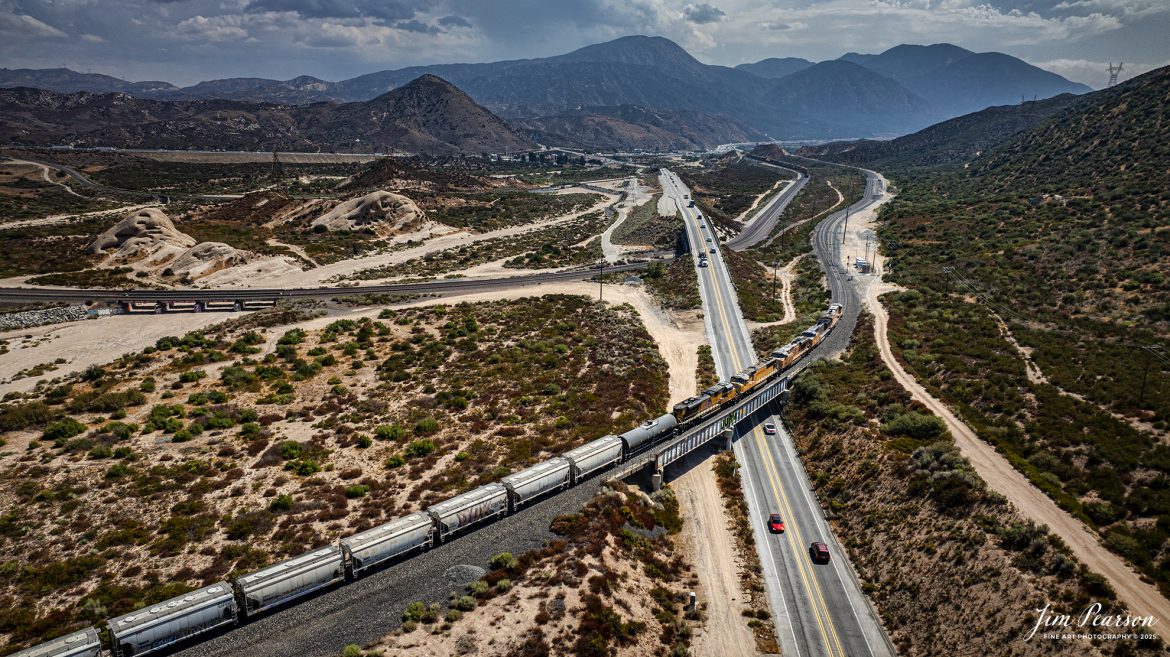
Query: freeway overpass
x,y
819,610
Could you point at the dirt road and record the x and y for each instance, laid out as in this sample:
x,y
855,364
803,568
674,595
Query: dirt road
x,y
708,544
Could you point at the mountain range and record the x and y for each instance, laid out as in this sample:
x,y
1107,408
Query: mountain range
x,y
896,92
427,115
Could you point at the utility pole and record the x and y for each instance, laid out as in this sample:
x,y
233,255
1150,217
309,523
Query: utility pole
x,y
1145,374
601,281
775,267
845,230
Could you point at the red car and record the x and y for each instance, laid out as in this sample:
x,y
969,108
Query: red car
x,y
770,429
819,553
775,524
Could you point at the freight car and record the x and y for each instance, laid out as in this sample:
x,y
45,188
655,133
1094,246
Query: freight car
x,y
155,628
85,643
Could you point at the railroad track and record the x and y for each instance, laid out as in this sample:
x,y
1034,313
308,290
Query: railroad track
x,y
441,286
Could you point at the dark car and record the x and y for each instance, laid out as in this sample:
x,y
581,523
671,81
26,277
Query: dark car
x,y
775,524
819,553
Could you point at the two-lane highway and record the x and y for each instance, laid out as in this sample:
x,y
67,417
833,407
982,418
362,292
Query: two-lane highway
x,y
819,609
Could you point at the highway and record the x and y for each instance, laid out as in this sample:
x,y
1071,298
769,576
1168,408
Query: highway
x,y
760,227
440,286
819,610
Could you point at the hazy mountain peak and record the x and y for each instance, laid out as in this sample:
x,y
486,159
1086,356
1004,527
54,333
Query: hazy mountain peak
x,y
634,49
775,67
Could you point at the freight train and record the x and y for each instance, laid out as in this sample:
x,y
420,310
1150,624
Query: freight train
x,y
222,604
708,402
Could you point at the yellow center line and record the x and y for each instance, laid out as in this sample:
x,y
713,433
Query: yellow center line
x,y
802,558
804,564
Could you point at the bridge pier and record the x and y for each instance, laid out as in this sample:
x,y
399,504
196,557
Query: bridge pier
x,y
728,436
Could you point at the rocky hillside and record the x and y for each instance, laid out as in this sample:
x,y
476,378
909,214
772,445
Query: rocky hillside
x,y
428,115
953,141
1040,309
630,127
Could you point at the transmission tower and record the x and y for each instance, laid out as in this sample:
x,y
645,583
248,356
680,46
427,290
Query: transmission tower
x,y
277,166
1114,72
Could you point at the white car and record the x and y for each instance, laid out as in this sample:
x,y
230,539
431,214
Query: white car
x,y
702,263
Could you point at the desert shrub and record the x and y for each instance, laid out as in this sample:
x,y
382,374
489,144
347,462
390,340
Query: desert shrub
x,y
15,417
303,467
364,441
62,429
425,426
389,432
351,650
503,561
283,502
420,448
395,461
915,425
356,491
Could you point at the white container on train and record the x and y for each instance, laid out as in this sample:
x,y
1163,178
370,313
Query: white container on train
x,y
593,456
533,482
290,579
373,546
181,307
220,305
258,304
470,508
157,626
648,431
79,644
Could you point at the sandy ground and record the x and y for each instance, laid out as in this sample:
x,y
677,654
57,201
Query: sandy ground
x,y
667,206
636,195
116,214
90,342
45,174
708,544
438,241
786,284
1141,598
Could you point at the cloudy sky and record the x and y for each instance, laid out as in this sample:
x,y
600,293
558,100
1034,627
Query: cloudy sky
x,y
186,41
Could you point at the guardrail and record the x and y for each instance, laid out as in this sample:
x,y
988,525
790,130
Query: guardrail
x,y
693,439
696,438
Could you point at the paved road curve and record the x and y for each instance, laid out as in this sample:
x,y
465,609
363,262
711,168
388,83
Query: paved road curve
x,y
760,227
819,610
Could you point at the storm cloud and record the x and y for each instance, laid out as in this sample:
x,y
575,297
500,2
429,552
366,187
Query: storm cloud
x,y
185,41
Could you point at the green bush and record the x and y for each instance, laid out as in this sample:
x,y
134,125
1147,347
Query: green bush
x,y
356,491
62,429
290,449
281,502
351,650
395,461
503,561
389,432
915,425
303,467
464,603
364,441
426,426
420,448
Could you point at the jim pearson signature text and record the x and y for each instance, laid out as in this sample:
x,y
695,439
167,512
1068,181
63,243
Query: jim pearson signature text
x,y
1091,618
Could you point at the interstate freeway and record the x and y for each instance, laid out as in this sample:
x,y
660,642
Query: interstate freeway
x,y
819,610
441,286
